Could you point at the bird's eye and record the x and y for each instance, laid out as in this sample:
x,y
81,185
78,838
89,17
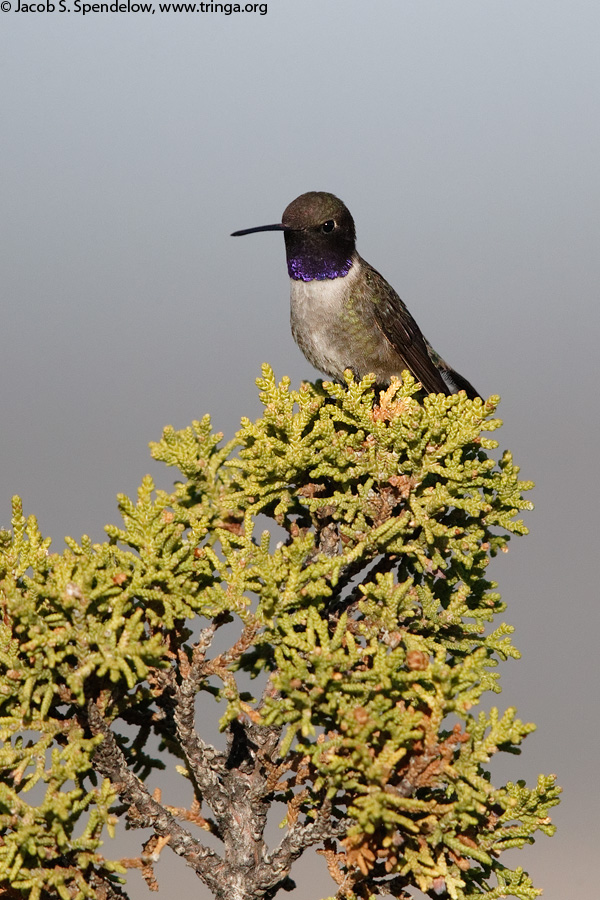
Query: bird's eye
x,y
328,226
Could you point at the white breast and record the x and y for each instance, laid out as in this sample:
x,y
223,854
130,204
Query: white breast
x,y
317,309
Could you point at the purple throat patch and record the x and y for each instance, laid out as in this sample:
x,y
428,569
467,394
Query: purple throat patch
x,y
303,269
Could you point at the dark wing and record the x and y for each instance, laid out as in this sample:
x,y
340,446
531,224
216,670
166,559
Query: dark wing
x,y
400,329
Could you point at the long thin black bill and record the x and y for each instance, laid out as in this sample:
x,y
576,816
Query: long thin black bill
x,y
277,227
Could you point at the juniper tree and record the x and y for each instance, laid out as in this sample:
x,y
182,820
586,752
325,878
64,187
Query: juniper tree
x,y
348,696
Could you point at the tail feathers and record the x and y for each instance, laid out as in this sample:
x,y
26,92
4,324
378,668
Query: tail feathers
x,y
452,378
457,383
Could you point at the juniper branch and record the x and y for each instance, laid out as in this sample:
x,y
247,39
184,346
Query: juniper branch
x,y
144,810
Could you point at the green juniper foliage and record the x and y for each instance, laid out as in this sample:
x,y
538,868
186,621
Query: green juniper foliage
x,y
363,616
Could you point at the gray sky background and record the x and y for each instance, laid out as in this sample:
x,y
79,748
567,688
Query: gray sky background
x,y
465,138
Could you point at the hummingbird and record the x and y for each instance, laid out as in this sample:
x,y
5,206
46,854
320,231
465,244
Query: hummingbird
x,y
344,314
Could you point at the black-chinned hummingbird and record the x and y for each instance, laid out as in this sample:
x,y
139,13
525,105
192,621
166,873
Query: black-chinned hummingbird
x,y
344,314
